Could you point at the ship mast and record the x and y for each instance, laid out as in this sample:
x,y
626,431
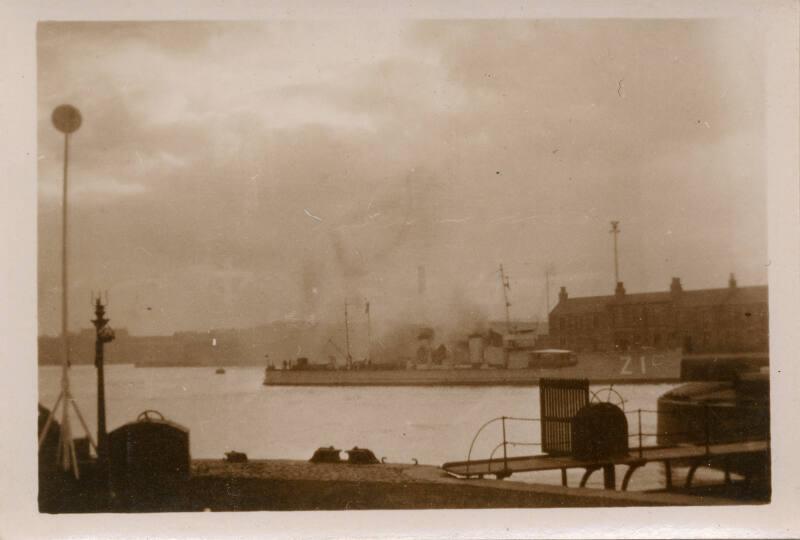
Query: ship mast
x,y
547,289
369,334
347,337
506,286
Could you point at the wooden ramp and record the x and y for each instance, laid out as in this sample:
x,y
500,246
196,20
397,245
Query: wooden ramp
x,y
696,455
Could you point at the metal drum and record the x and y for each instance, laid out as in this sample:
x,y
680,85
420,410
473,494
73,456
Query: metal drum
x,y
148,458
599,431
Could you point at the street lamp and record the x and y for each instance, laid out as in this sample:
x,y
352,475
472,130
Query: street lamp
x,y
66,119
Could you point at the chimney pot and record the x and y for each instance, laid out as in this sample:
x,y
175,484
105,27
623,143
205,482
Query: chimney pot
x,y
732,281
620,290
562,294
676,287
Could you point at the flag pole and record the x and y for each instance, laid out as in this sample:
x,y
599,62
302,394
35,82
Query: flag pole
x,y
347,337
369,335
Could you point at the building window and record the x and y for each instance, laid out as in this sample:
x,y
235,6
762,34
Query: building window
x,y
562,324
707,319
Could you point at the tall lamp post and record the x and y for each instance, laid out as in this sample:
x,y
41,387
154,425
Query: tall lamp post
x,y
67,120
104,335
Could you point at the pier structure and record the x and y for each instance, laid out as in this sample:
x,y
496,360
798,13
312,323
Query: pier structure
x,y
695,455
584,429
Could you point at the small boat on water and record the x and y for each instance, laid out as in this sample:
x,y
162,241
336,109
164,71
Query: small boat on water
x,y
220,371
552,358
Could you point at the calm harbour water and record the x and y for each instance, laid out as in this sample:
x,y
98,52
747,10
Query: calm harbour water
x,y
234,411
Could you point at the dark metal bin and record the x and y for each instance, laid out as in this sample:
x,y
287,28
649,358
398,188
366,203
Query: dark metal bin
x,y
149,457
599,431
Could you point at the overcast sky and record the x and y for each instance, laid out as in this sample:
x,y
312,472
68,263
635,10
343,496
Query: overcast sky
x,y
231,174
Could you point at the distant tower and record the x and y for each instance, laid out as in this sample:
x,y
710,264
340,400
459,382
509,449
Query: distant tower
x,y
615,231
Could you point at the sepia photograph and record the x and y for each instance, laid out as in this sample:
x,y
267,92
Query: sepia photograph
x,y
402,263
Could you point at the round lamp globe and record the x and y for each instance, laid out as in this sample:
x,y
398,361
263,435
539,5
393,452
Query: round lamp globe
x,y
66,118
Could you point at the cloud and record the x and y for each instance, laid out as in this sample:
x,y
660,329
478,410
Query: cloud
x,y
205,145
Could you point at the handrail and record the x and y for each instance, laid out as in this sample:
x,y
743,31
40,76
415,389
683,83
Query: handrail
x,y
501,418
704,429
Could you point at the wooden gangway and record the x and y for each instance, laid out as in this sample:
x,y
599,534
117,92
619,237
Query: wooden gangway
x,y
693,454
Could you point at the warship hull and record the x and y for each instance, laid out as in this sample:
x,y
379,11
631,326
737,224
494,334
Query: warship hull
x,y
599,368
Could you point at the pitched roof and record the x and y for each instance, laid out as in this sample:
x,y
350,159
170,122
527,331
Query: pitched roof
x,y
586,304
749,295
704,297
694,298
642,298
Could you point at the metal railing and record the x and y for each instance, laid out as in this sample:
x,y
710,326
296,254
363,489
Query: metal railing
x,y
701,436
505,442
704,434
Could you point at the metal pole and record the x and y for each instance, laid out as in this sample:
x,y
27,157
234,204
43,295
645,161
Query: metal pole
x,y
102,446
347,337
66,432
504,281
640,433
615,231
609,476
616,260
66,119
505,454
369,335
668,473
547,290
